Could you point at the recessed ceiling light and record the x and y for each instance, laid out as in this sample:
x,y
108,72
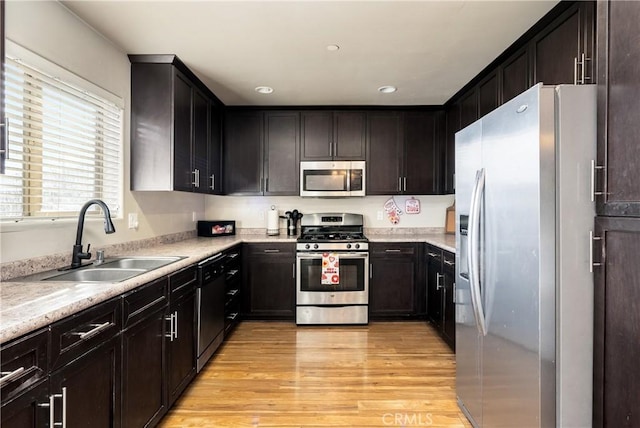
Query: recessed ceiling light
x,y
333,48
387,89
264,89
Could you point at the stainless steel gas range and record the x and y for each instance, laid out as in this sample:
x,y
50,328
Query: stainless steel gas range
x,y
332,270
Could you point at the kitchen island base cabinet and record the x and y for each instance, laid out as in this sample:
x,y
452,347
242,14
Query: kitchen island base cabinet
x,y
441,293
394,275
269,283
27,410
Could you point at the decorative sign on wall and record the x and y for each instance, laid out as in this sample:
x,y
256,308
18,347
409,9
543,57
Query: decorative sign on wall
x,y
412,206
393,211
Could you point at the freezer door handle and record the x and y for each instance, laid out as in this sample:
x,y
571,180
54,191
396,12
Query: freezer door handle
x,y
472,251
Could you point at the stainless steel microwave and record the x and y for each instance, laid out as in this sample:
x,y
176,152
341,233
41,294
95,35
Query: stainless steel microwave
x,y
332,178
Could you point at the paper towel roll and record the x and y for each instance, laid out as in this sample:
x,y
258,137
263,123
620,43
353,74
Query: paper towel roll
x,y
273,223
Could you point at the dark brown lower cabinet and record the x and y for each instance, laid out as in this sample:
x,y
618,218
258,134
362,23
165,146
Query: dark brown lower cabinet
x,y
270,286
617,322
394,278
26,410
143,372
181,349
441,292
90,385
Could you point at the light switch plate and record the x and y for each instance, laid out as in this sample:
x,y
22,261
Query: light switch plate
x,y
133,220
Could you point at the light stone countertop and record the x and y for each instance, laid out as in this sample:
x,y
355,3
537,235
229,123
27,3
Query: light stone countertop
x,y
28,306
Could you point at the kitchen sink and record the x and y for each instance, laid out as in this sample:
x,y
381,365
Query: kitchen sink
x,y
111,270
97,275
146,263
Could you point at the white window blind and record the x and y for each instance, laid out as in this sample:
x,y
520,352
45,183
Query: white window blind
x,y
64,147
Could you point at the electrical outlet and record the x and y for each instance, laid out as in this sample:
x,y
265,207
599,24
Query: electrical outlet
x,y
194,216
379,215
133,220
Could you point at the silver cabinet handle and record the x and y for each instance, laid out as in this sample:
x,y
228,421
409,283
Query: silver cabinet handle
x,y
370,270
175,330
591,239
9,376
171,329
399,184
52,398
449,263
454,292
294,271
404,183
392,250
271,251
330,149
97,328
195,174
213,182
575,70
439,276
594,168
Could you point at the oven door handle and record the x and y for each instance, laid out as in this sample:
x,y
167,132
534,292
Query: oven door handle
x,y
340,255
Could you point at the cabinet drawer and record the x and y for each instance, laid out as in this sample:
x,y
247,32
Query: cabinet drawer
x,y
448,260
391,249
143,301
279,248
233,256
80,333
23,364
433,253
183,281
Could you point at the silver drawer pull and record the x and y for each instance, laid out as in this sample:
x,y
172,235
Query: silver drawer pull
x,y
97,328
392,251
232,292
9,376
433,255
271,251
232,316
449,263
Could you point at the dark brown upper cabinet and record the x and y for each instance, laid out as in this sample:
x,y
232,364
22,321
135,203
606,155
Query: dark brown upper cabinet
x,y
515,75
488,94
403,152
170,126
617,173
332,135
563,51
214,179
261,153
468,108
452,125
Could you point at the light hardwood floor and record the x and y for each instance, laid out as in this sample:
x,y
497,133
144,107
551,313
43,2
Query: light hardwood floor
x,y
274,374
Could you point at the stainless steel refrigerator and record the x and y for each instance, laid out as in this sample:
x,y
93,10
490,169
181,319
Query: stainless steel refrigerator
x,y
524,291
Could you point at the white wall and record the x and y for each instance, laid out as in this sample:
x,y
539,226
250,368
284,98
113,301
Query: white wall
x,y
250,211
50,30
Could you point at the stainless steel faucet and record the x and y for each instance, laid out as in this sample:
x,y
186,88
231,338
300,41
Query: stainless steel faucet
x,y
78,255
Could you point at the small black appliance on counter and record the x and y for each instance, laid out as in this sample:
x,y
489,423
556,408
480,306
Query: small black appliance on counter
x,y
212,228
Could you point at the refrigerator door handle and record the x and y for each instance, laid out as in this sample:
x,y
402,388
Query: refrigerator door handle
x,y
472,252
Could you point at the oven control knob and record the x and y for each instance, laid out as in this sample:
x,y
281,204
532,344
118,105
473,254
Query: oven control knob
x,y
307,246
357,246
315,246
348,246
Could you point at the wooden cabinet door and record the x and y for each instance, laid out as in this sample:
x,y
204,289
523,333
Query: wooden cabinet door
x,y
557,50
392,285
515,75
243,147
26,410
269,282
434,287
617,322
349,142
143,372
181,350
468,108
384,153
316,129
488,94
282,153
452,126
182,133
214,164
422,161
449,307
92,387
200,144
618,109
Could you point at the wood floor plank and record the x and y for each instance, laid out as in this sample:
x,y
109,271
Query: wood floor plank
x,y
275,374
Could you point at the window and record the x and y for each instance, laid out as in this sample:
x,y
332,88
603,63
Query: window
x,y
64,144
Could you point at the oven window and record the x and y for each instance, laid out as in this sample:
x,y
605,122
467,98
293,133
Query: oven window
x,y
325,180
351,275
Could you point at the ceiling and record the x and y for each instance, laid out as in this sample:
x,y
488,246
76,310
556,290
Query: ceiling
x,y
427,49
